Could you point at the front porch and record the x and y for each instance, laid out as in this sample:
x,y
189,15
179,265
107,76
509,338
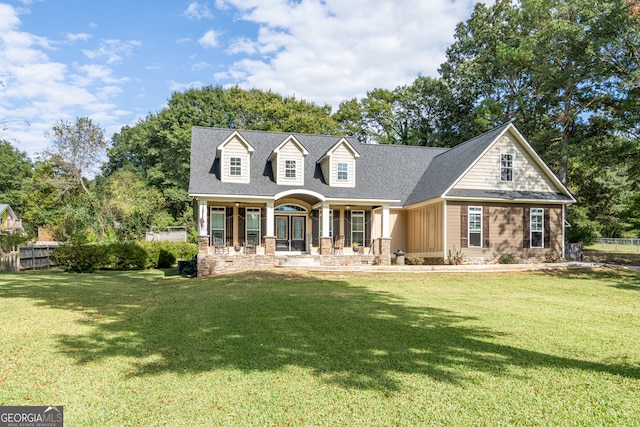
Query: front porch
x,y
257,235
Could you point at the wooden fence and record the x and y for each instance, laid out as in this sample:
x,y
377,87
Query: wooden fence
x,y
9,261
36,257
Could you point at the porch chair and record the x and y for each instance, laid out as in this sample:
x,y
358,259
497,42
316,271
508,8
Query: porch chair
x,y
338,245
250,247
220,246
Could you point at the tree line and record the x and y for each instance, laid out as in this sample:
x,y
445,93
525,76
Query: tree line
x,y
566,72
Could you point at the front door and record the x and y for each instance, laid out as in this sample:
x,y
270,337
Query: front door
x,y
290,232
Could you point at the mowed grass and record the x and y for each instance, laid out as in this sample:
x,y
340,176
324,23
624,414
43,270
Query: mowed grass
x,y
143,348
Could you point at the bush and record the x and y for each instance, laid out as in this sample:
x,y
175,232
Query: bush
x,y
179,250
81,258
414,260
507,259
166,259
127,256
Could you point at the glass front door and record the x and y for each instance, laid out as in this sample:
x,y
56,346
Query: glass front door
x,y
290,232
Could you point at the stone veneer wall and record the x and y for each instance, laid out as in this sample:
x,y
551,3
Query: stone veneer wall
x,y
212,265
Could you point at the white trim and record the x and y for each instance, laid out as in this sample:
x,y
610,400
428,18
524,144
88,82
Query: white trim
x,y
293,139
481,212
489,199
510,167
445,235
335,147
538,231
287,193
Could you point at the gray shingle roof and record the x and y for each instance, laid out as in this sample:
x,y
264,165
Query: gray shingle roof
x,y
407,174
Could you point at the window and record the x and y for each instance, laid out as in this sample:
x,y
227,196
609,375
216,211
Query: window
x,y
235,166
506,167
475,226
536,227
357,227
343,171
253,225
218,235
289,168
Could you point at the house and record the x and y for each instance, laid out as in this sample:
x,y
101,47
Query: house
x,y
343,202
9,222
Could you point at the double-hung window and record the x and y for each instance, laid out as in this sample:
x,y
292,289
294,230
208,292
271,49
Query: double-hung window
x,y
536,227
253,225
475,226
343,171
357,227
218,235
235,166
506,167
289,168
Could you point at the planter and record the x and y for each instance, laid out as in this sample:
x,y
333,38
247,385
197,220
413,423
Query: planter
x,y
356,249
236,248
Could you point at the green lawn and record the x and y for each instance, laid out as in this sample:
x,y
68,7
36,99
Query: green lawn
x,y
142,348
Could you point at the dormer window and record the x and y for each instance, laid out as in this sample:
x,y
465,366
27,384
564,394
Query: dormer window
x,y
506,167
343,171
290,169
235,166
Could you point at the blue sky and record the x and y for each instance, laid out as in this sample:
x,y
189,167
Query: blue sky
x,y
117,61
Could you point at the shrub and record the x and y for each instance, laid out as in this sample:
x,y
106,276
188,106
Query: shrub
x,y
456,257
179,250
127,256
81,258
166,259
414,260
507,259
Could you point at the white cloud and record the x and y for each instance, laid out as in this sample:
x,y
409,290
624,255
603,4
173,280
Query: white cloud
x,y
328,51
113,50
197,11
210,39
78,36
40,91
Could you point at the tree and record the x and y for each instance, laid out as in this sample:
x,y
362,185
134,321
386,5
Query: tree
x,y
79,148
15,172
157,148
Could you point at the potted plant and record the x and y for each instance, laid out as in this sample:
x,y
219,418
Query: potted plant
x,y
236,246
355,246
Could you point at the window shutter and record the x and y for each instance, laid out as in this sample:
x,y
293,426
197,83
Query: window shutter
x,y
229,225
464,226
315,228
347,226
241,225
485,226
526,236
547,229
367,228
336,224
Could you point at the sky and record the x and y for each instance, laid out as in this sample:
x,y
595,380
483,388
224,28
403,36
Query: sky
x,y
118,61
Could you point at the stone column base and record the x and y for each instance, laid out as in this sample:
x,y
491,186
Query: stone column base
x,y
203,245
325,246
270,245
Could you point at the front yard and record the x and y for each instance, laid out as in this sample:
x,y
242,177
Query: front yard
x,y
144,348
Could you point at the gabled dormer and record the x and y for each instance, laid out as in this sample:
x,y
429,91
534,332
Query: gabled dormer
x,y
338,165
287,162
234,154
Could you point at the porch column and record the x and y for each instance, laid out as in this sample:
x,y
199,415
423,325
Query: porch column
x,y
270,220
202,219
325,239
385,222
270,234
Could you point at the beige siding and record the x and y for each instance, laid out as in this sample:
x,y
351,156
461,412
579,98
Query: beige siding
x,y
425,229
527,175
289,151
342,155
397,228
506,231
235,148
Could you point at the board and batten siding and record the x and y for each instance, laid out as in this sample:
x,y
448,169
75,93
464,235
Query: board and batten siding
x,y
425,230
506,230
235,148
527,175
289,151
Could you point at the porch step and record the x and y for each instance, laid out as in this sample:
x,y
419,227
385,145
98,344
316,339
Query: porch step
x,y
299,261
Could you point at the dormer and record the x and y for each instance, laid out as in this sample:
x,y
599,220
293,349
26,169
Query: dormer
x,y
235,159
339,165
287,162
